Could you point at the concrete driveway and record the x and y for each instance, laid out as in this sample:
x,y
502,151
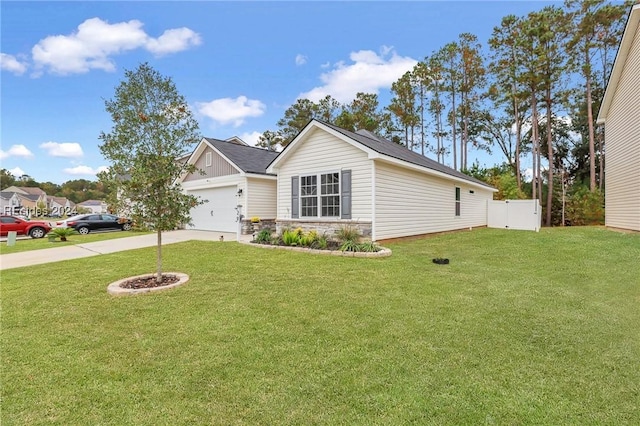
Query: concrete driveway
x,y
37,257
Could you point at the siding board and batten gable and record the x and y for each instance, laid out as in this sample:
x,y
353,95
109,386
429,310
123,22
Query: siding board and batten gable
x,y
620,113
219,166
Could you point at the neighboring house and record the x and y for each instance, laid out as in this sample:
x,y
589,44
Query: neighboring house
x,y
620,114
328,177
9,202
96,206
59,205
232,179
26,190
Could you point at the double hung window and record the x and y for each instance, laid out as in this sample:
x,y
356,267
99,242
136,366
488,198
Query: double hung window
x,y
323,201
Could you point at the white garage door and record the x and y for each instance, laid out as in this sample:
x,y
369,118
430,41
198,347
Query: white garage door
x,y
218,213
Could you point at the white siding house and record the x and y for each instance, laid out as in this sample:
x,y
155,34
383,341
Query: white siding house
x,y
231,180
620,114
329,177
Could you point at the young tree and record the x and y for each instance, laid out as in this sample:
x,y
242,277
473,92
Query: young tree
x,y
152,126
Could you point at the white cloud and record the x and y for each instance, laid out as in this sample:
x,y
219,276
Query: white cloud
x,y
17,172
231,111
369,72
12,64
172,41
16,151
84,170
251,138
301,59
66,150
95,41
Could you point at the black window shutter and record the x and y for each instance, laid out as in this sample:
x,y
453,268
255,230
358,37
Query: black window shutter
x,y
345,202
295,199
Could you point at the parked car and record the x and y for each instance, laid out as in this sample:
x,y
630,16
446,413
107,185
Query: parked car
x,y
85,223
35,229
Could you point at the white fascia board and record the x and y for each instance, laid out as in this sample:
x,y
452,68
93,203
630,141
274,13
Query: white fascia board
x,y
428,171
260,176
213,182
618,64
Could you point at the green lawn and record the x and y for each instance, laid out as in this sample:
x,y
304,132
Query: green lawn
x,y
520,328
44,243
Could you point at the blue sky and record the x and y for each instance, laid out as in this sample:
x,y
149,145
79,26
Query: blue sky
x,y
240,65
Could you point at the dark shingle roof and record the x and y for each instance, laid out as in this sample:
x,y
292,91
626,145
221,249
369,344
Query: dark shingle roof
x,y
388,148
249,159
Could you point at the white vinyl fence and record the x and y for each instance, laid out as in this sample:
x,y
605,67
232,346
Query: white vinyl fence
x,y
515,214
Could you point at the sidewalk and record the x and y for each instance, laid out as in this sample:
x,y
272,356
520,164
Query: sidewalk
x,y
37,257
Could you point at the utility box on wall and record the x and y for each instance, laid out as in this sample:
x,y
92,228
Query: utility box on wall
x,y
523,215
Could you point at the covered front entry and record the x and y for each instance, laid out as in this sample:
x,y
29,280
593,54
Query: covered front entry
x,y
218,213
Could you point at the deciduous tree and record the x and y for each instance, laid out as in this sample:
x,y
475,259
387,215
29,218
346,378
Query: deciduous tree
x,y
152,127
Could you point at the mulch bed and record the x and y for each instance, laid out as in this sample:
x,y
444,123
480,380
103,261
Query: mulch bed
x,y
150,281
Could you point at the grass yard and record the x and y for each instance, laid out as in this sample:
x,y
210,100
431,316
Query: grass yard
x,y
520,328
44,243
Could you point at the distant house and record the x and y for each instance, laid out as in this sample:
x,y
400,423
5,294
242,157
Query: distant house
x,y
620,114
59,205
329,178
32,201
96,206
233,182
9,202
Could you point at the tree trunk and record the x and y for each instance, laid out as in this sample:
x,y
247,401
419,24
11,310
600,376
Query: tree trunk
x,y
453,129
516,116
534,135
592,150
550,157
159,258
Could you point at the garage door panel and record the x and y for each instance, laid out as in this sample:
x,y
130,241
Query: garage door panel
x,y
218,212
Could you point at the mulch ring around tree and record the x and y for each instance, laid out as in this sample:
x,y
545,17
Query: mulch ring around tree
x,y
147,283
150,282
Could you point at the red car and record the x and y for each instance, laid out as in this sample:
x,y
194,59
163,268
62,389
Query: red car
x,y
35,229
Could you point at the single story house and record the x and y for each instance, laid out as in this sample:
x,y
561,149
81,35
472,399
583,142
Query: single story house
x,y
233,183
620,114
328,177
96,206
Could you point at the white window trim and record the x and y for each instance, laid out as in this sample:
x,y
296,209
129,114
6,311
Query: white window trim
x,y
319,194
208,159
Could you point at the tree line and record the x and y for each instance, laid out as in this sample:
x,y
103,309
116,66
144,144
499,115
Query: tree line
x,y
76,190
533,91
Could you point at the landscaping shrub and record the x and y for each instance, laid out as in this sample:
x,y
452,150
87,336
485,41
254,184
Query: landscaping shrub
x,y
61,233
585,207
290,238
264,236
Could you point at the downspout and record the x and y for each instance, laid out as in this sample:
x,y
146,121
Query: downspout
x,y
373,200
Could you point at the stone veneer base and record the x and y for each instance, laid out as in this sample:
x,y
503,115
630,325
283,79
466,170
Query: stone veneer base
x,y
115,289
384,252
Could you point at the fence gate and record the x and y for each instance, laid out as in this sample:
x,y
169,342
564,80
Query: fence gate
x,y
524,215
